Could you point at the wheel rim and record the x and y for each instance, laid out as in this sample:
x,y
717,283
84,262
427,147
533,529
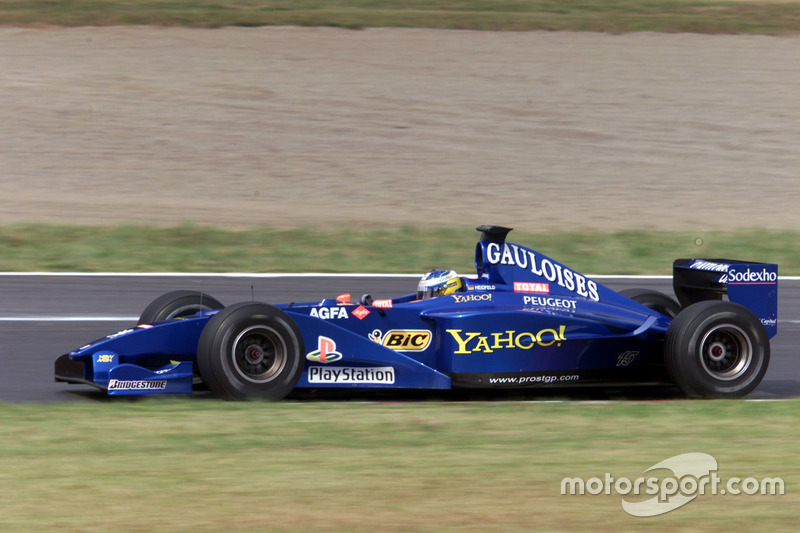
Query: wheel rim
x,y
726,352
259,354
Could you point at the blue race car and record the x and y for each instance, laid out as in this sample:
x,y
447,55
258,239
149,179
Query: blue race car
x,y
524,320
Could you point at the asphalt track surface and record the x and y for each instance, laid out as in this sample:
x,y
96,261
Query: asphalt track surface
x,y
44,316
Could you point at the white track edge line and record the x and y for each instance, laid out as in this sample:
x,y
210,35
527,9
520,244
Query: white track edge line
x,y
294,275
69,318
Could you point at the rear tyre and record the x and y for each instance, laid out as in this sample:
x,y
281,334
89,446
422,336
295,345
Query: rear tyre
x,y
251,350
716,349
178,304
654,300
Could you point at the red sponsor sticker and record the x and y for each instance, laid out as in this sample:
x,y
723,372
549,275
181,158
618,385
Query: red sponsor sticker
x,y
542,288
360,312
343,298
382,304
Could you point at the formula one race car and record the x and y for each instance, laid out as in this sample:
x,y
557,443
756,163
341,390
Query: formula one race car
x,y
524,320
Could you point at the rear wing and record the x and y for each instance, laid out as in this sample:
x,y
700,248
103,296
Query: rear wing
x,y
753,285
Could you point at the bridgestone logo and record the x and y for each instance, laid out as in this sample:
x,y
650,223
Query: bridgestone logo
x,y
116,384
346,374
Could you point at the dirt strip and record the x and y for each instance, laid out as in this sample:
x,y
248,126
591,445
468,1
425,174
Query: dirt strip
x,y
297,126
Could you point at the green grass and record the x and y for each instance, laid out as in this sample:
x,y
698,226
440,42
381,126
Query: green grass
x,y
700,16
195,466
28,248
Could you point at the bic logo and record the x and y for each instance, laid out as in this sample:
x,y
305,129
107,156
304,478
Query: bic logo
x,y
407,340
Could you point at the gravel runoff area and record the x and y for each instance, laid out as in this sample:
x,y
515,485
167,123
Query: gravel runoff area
x,y
281,126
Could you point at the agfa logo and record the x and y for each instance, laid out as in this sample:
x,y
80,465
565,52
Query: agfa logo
x,y
328,313
326,352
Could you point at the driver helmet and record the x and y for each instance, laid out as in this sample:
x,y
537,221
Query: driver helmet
x,y
438,283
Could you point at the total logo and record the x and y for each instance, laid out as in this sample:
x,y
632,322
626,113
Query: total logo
x,y
325,352
382,304
543,288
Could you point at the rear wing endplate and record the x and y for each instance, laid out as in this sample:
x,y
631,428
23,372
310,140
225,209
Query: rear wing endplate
x,y
753,285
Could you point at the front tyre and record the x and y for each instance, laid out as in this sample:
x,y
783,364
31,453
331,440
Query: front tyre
x,y
716,349
251,350
177,304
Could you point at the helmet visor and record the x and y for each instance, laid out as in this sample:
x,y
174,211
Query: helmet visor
x,y
437,283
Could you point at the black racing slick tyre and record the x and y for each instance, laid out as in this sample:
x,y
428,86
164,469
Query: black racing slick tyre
x,y
716,349
251,350
178,304
654,300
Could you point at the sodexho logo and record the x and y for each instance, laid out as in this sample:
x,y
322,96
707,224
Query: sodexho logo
x,y
693,474
751,276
